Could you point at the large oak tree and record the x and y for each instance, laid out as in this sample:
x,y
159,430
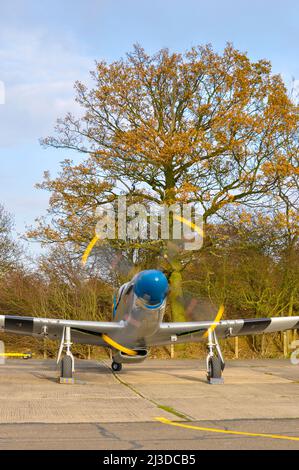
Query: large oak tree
x,y
198,127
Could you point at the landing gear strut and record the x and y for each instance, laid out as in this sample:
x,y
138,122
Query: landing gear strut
x,y
67,362
215,362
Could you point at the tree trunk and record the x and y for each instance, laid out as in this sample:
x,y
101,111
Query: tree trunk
x,y
291,334
263,345
285,344
236,347
45,348
176,297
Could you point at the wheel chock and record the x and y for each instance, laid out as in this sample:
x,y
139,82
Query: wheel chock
x,y
66,380
216,381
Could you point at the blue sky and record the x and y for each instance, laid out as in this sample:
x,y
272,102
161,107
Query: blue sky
x,y
46,46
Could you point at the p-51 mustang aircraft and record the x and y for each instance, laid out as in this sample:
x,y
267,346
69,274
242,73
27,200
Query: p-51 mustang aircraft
x,y
138,324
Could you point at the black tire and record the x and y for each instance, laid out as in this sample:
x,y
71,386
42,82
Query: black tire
x,y
116,366
215,368
67,367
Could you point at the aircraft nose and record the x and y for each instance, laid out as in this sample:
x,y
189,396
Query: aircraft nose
x,y
151,286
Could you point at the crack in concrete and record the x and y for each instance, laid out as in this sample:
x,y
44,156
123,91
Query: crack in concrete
x,y
165,408
105,432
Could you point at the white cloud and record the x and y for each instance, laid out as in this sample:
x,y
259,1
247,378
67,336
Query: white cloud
x,y
38,73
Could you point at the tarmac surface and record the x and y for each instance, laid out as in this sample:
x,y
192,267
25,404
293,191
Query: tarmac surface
x,y
159,404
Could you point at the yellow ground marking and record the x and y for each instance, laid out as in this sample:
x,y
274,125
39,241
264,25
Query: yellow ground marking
x,y
216,321
118,346
224,431
89,248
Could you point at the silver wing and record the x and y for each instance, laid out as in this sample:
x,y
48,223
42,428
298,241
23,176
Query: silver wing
x,y
84,332
90,332
188,332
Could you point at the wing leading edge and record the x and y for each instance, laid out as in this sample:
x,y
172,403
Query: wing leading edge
x,y
90,332
195,331
85,332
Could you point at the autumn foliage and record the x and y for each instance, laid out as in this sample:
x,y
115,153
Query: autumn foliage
x,y
215,129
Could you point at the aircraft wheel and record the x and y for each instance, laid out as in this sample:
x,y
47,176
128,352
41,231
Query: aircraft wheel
x,y
214,368
67,367
116,366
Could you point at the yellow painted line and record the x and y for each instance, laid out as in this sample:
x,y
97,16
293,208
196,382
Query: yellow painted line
x,y
89,248
216,321
15,354
224,431
118,346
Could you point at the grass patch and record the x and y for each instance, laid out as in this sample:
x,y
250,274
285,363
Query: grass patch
x,y
170,410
